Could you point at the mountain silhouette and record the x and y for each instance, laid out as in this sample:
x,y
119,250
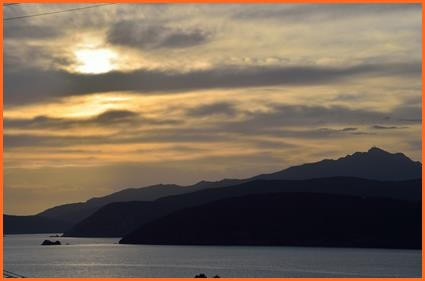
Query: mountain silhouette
x,y
32,224
120,218
373,164
289,219
75,212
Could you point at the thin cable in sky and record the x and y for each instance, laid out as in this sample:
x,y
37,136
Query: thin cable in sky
x,y
56,12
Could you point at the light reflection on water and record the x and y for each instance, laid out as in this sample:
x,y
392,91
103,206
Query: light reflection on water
x,y
103,257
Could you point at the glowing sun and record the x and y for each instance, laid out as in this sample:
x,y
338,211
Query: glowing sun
x,y
95,60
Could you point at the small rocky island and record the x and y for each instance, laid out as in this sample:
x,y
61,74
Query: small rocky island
x,y
50,243
203,275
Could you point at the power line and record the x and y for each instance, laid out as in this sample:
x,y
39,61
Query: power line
x,y
56,12
9,274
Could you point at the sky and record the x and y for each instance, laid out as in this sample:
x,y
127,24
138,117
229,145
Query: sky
x,y
130,95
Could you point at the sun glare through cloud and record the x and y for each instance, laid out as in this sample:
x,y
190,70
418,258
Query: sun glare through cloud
x,y
95,61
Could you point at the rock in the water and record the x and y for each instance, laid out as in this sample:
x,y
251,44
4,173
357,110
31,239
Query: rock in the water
x,y
201,275
49,243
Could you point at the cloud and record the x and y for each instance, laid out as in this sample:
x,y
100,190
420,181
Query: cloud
x,y
19,56
322,12
415,145
283,121
410,110
289,115
272,144
42,85
145,35
157,135
114,116
304,134
349,129
417,121
22,30
305,122
105,119
348,97
220,108
379,127
278,121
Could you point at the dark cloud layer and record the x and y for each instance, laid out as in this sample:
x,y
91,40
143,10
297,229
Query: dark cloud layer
x,y
147,36
281,121
277,116
41,85
105,119
380,127
321,12
284,115
21,30
350,129
175,135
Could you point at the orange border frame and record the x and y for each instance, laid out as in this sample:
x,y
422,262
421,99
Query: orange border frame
x,y
210,2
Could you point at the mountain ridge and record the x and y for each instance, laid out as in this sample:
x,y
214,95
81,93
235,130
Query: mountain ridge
x,y
372,164
363,164
119,218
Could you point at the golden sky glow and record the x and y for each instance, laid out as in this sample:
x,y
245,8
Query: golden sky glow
x,y
131,95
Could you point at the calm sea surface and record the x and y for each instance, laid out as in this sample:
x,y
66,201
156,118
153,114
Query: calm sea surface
x,y
103,257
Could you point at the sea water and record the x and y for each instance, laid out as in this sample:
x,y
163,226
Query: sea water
x,y
104,257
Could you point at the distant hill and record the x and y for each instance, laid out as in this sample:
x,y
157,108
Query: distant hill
x,y
118,219
32,224
374,164
289,219
75,212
